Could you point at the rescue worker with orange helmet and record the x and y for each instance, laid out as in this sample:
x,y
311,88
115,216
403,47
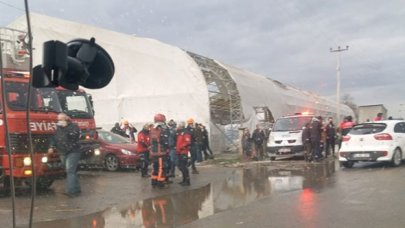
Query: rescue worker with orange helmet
x,y
159,151
143,148
193,147
183,142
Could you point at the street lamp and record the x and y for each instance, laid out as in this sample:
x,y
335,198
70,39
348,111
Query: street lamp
x,y
338,50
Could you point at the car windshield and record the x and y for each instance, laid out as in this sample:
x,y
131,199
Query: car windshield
x,y
75,104
291,123
369,128
112,138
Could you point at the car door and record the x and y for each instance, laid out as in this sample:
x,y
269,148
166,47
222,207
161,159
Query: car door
x,y
399,131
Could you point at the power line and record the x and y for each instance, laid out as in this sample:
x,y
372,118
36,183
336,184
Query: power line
x,y
10,5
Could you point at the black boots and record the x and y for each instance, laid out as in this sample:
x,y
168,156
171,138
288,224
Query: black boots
x,y
185,182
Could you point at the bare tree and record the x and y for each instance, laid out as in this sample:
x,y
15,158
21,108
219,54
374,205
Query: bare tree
x,y
348,100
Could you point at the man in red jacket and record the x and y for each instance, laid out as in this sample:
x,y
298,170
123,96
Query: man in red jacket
x,y
143,148
183,142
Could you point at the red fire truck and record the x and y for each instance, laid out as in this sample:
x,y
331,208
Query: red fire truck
x,y
14,70
78,106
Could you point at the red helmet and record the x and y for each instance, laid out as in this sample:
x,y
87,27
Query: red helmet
x,y
159,118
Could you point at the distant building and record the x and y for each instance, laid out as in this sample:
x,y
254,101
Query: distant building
x,y
369,112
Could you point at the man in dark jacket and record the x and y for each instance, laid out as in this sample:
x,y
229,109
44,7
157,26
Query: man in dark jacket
x,y
172,147
198,140
117,130
206,144
66,143
330,137
306,141
258,138
193,147
315,132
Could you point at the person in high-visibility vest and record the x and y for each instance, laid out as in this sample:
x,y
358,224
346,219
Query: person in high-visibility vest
x,y
159,151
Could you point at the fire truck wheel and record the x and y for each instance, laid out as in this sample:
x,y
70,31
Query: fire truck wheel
x,y
5,181
111,162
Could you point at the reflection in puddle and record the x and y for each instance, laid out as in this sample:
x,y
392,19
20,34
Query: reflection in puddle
x,y
241,188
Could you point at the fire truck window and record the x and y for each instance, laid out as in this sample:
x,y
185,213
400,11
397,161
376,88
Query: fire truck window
x,y
16,100
50,100
17,97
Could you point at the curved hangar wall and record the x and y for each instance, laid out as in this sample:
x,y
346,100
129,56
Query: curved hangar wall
x,y
154,77
150,77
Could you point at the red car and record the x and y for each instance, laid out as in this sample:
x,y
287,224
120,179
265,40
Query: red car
x,y
117,151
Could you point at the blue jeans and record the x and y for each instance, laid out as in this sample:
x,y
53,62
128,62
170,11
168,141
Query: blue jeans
x,y
193,153
316,147
71,161
198,149
173,160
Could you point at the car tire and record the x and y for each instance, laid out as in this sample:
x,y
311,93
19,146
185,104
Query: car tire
x,y
44,184
396,158
111,163
348,164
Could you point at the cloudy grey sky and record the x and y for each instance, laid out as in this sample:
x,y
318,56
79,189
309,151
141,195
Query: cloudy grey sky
x,y
285,40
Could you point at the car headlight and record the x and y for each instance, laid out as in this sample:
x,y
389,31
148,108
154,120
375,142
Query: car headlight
x,y
97,151
44,159
127,152
27,161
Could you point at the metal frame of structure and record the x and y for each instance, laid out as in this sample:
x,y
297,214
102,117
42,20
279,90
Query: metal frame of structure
x,y
224,98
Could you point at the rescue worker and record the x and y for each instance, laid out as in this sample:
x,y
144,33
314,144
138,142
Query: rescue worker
x,y
159,151
193,149
345,127
172,147
143,148
379,117
183,142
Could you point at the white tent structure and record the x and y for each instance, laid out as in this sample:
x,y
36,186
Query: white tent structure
x,y
152,77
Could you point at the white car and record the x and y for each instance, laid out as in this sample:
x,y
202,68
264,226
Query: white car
x,y
381,141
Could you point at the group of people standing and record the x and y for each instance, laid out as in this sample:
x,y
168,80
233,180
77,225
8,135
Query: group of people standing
x,y
125,130
253,144
167,145
319,137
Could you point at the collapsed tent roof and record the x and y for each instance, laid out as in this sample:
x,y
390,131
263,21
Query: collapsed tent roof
x,y
152,77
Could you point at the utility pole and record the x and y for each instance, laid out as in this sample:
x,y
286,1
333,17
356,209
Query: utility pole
x,y
338,51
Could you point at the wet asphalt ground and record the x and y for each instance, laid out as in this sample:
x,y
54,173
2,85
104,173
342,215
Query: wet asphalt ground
x,y
264,194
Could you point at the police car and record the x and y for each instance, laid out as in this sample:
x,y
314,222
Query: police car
x,y
285,139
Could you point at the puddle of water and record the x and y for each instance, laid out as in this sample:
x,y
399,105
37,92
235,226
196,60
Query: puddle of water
x,y
242,187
